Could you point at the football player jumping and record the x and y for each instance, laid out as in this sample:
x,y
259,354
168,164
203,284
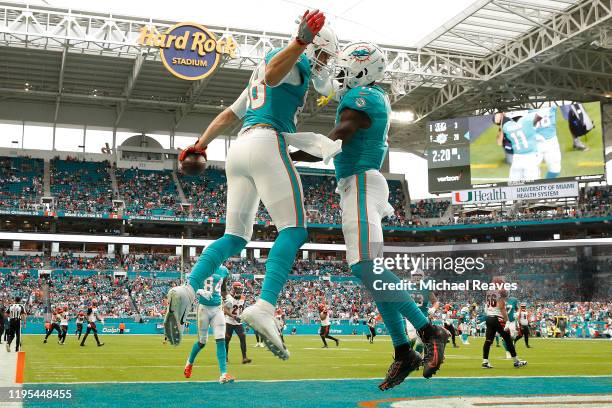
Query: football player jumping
x,y
211,315
362,123
258,167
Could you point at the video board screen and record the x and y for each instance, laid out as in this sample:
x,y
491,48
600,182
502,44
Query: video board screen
x,y
552,143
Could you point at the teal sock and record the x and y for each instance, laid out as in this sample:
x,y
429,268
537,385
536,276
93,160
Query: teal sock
x,y
212,257
394,323
464,337
197,346
401,299
280,260
221,356
391,316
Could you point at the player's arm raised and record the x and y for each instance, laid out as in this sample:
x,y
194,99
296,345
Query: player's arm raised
x,y
280,65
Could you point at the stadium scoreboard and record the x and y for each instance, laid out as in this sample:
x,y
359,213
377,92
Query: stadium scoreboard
x,y
448,154
475,151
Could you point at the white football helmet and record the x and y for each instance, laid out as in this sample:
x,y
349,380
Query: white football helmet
x,y
324,43
360,64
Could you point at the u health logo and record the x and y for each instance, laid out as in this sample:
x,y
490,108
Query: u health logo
x,y
188,50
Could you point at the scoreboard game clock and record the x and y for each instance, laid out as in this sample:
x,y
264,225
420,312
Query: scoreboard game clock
x,y
448,154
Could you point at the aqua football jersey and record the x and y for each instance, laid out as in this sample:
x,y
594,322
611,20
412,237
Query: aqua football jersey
x,y
547,126
522,134
213,284
368,147
277,106
512,307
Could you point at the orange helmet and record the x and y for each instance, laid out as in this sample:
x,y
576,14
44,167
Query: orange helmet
x,y
237,288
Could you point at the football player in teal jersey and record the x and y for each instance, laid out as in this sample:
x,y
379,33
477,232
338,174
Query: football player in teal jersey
x,y
258,167
548,144
211,315
523,137
362,123
512,307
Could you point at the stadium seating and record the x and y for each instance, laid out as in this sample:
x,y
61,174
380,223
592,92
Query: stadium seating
x,y
81,186
148,192
22,182
85,187
544,284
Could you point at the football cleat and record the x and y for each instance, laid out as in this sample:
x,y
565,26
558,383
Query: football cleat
x,y
226,379
246,361
486,365
519,364
401,367
434,350
260,317
578,145
337,343
100,345
180,299
188,369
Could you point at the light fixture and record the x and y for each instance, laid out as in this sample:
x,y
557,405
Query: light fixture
x,y
402,116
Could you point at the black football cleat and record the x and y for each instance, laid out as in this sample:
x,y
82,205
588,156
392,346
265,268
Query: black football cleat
x,y
435,343
403,364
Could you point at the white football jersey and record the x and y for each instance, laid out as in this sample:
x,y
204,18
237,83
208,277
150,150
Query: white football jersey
x,y
233,308
492,303
326,322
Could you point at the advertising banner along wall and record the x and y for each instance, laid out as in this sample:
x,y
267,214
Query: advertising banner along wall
x,y
512,193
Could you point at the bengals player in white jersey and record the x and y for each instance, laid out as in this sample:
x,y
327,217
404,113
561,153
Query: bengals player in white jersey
x,y
497,316
233,307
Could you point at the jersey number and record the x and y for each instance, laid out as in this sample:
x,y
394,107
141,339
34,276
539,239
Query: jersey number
x,y
237,309
257,95
491,301
208,285
519,139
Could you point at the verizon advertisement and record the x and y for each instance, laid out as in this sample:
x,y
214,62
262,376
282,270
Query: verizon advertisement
x,y
524,192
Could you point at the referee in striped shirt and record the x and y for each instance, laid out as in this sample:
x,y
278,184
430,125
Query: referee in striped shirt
x,y
16,313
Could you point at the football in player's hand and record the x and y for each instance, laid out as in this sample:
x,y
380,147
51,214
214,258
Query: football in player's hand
x,y
193,164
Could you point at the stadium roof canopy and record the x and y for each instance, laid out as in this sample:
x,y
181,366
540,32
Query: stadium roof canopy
x,y
68,66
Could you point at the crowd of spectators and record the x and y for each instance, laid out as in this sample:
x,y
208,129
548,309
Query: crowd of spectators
x,y
553,286
81,186
22,182
148,192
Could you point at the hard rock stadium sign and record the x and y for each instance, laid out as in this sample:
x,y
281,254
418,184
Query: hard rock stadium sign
x,y
188,50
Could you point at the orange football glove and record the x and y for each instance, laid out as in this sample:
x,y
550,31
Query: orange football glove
x,y
190,150
310,25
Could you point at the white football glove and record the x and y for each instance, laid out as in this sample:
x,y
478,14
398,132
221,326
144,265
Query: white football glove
x,y
204,293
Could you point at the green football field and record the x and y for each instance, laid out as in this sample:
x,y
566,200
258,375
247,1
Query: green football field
x,y
144,358
488,160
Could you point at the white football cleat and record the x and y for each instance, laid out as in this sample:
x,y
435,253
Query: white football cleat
x,y
260,317
180,299
226,378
